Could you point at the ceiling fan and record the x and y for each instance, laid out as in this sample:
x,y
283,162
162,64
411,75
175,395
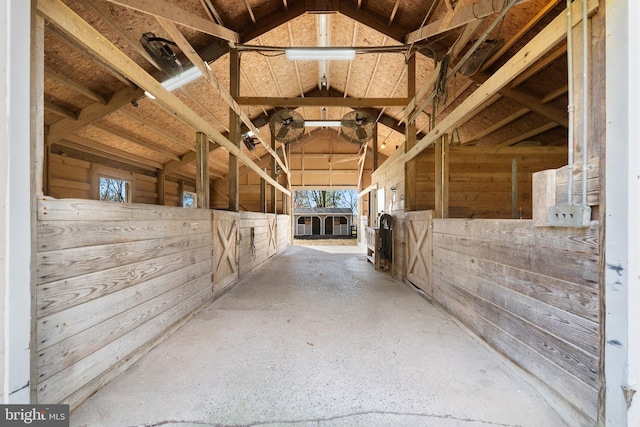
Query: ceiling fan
x,y
286,126
160,50
357,126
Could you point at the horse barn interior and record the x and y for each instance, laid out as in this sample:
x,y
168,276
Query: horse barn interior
x,y
502,145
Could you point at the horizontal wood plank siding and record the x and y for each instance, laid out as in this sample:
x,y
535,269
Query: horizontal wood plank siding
x,y
530,292
283,230
480,179
113,280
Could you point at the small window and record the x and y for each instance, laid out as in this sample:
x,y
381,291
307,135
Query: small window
x,y
115,190
189,199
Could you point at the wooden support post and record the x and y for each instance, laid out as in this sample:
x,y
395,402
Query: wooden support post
x,y
410,142
202,170
442,177
263,195
161,188
514,188
180,193
375,150
234,131
274,175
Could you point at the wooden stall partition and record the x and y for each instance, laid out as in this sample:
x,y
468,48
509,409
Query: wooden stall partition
x,y
283,232
113,280
419,234
225,230
254,240
532,293
272,235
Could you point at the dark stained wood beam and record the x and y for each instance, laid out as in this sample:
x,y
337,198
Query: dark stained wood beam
x,y
370,19
322,101
272,20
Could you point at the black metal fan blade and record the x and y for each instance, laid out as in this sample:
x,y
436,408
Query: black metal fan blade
x,y
282,132
361,133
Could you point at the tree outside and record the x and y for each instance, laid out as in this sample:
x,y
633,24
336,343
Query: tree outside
x,y
113,190
326,199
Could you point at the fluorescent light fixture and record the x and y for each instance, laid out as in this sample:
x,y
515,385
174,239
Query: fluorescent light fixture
x,y
178,81
320,53
322,123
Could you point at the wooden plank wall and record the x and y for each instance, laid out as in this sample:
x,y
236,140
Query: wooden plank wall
x,y
283,230
480,179
388,177
532,293
70,177
112,280
253,252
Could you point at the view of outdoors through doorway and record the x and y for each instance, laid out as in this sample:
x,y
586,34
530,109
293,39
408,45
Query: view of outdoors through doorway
x,y
325,218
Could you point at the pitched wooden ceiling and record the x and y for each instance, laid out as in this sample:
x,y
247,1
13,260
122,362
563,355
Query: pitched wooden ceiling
x,y
92,106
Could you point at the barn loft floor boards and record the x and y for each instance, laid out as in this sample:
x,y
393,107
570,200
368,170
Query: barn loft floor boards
x,y
318,338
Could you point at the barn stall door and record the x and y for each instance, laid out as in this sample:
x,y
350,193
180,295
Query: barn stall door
x,y
272,235
225,249
419,237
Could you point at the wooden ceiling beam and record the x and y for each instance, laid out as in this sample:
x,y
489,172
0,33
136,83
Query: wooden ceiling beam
x,y
158,130
115,27
76,86
530,134
162,9
372,20
61,16
466,15
93,112
537,47
502,123
273,20
213,11
60,110
68,40
539,66
250,10
410,110
524,30
323,101
93,147
193,56
555,94
133,140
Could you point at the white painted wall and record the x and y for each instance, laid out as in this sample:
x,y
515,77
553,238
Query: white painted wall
x,y
15,199
622,350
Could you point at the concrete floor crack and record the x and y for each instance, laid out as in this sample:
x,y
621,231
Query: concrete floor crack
x,y
332,418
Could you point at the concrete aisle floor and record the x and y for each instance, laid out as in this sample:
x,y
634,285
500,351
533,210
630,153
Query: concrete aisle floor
x,y
315,338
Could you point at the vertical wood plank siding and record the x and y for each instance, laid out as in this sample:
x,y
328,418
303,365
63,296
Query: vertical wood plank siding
x,y
116,279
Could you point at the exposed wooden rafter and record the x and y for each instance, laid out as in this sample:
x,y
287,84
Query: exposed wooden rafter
x,y
76,86
323,101
542,43
92,113
162,9
58,14
474,12
135,141
60,110
193,56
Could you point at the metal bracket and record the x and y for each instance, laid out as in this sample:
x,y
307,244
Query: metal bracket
x,y
578,216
